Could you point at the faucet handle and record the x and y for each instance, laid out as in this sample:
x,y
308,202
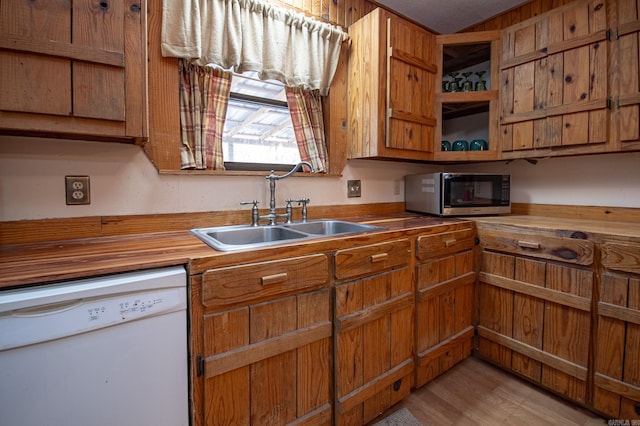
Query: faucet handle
x,y
303,202
254,211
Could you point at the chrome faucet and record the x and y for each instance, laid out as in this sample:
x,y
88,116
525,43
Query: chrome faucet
x,y
273,215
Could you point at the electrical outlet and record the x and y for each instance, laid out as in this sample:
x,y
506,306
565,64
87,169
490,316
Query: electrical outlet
x,y
354,188
77,190
396,187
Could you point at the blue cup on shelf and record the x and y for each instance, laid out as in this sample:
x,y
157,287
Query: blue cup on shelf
x,y
460,145
478,145
445,146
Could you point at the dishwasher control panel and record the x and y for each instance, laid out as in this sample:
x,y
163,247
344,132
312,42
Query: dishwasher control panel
x,y
53,321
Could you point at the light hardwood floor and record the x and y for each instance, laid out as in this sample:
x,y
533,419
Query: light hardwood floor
x,y
477,393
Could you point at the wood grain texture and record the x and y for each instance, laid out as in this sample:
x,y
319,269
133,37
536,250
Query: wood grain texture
x,y
371,259
546,247
383,121
267,361
28,231
444,302
555,83
374,343
67,79
241,284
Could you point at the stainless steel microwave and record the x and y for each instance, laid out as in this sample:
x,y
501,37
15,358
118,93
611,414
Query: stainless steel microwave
x,y
458,194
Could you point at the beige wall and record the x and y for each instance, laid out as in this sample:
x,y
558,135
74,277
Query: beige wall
x,y
124,182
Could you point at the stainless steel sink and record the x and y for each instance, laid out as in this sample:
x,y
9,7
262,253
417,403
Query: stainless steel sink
x,y
331,227
242,237
226,238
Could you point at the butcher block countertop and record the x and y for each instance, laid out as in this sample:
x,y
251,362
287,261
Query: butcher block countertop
x,y
35,263
594,230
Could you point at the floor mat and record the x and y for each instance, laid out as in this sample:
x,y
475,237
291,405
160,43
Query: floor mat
x,y
401,417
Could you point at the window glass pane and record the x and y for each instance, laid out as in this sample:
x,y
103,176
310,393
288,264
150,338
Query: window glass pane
x,y
258,126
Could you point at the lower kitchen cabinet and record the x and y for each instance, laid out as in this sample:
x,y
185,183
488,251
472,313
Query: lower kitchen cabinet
x,y
261,343
373,330
535,308
617,355
445,278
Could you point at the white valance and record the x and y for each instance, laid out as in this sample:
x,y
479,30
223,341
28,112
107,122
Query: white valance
x,y
253,35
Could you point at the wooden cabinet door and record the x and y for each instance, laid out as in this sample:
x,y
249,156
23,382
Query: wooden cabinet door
x,y
392,75
554,83
445,280
617,342
444,314
373,331
410,87
267,360
627,71
373,345
535,311
74,68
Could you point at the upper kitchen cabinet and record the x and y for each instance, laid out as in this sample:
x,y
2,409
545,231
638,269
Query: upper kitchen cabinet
x,y
554,87
74,69
467,96
392,75
626,83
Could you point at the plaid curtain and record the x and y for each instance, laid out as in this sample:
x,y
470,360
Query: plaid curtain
x,y
305,107
204,97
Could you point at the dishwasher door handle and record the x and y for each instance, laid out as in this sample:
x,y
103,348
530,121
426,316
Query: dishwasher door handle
x,y
48,309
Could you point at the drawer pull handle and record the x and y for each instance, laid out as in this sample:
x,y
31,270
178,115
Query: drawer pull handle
x,y
274,279
380,257
528,244
449,243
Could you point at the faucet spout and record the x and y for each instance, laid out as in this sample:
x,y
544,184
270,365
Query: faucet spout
x,y
273,176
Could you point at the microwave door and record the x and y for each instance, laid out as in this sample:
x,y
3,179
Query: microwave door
x,y
475,191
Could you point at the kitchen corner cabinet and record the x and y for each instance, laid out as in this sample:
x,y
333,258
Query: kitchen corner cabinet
x,y
261,343
459,53
617,355
535,307
373,329
554,82
445,277
74,69
392,75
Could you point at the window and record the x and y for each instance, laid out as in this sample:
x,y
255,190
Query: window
x,y
258,133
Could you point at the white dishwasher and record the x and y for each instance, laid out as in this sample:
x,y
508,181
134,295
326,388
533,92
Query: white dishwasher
x,y
108,351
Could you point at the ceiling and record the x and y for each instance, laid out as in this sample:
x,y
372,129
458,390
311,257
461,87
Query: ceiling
x,y
450,16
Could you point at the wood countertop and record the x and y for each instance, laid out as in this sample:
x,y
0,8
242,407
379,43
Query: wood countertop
x,y
595,230
36,263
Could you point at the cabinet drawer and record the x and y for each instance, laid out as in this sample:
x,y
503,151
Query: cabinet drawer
x,y
621,257
371,259
579,252
438,245
255,281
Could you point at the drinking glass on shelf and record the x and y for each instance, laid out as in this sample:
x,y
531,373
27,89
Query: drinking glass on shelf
x,y
481,84
467,86
454,85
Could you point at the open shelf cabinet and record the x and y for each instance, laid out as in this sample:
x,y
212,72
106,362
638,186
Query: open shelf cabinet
x,y
473,114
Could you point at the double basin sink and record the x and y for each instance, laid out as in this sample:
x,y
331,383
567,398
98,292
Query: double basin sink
x,y
242,237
